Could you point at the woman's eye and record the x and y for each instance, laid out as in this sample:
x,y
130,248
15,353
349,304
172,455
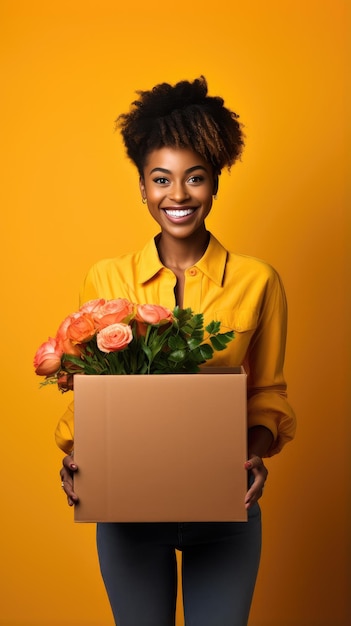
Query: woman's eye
x,y
196,179
161,180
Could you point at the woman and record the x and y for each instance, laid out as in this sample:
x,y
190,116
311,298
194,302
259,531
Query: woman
x,y
180,139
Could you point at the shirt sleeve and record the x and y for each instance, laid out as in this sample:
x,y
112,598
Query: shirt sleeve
x,y
64,433
89,289
267,390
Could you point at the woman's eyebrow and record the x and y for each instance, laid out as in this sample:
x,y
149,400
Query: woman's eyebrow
x,y
188,171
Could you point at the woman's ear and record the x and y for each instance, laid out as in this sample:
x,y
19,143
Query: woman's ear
x,y
215,184
142,189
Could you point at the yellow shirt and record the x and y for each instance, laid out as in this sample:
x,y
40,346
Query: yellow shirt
x,y
243,293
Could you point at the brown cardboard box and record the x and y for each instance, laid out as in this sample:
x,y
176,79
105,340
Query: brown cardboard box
x,y
161,448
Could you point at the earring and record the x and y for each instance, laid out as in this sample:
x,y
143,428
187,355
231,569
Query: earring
x,y
144,200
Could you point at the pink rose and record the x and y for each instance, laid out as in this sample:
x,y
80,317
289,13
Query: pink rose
x,y
113,312
92,305
114,337
81,329
47,360
153,314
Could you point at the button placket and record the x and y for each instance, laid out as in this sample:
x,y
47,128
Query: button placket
x,y
192,289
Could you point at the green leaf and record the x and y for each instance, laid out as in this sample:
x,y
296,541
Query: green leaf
x,y
206,351
229,335
176,312
198,320
143,369
182,315
213,327
193,342
218,343
147,351
177,355
176,342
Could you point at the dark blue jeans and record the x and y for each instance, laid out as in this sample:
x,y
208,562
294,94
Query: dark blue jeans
x,y
219,569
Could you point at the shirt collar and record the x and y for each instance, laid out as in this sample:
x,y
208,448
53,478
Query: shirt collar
x,y
212,264
150,263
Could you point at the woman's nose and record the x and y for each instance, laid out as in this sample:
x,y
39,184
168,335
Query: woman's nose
x,y
179,192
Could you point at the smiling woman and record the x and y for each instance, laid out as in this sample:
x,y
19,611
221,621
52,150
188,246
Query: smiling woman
x,y
178,186
180,139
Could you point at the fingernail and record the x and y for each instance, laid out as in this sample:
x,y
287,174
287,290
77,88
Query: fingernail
x,y
248,464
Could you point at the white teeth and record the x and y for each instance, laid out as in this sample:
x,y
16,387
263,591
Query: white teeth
x,y
179,212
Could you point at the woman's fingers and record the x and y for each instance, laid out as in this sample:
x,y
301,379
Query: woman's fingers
x,y
259,472
66,474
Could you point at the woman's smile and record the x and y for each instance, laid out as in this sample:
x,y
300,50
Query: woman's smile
x,y
179,213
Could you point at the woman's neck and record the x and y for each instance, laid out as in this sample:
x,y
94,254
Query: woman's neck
x,y
179,254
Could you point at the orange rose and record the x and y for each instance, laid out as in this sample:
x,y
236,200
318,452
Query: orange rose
x,y
153,314
113,312
114,337
62,340
82,328
47,360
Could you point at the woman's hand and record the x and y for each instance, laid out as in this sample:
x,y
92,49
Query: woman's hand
x,y
256,466
66,474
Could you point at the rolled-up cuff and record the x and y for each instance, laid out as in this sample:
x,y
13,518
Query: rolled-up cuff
x,y
275,413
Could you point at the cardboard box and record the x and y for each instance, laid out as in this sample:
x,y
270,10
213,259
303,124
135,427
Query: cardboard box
x,y
161,448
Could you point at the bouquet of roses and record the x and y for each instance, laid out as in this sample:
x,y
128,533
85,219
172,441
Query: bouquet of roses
x,y
120,337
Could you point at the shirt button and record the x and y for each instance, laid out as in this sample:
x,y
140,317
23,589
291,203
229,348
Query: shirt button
x,y
192,272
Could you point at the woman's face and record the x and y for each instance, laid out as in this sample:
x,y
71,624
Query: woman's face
x,y
178,185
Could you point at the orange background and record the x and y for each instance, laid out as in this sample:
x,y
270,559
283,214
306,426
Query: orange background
x,y
69,197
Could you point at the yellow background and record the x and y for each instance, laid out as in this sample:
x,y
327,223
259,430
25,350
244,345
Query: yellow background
x,y
69,197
